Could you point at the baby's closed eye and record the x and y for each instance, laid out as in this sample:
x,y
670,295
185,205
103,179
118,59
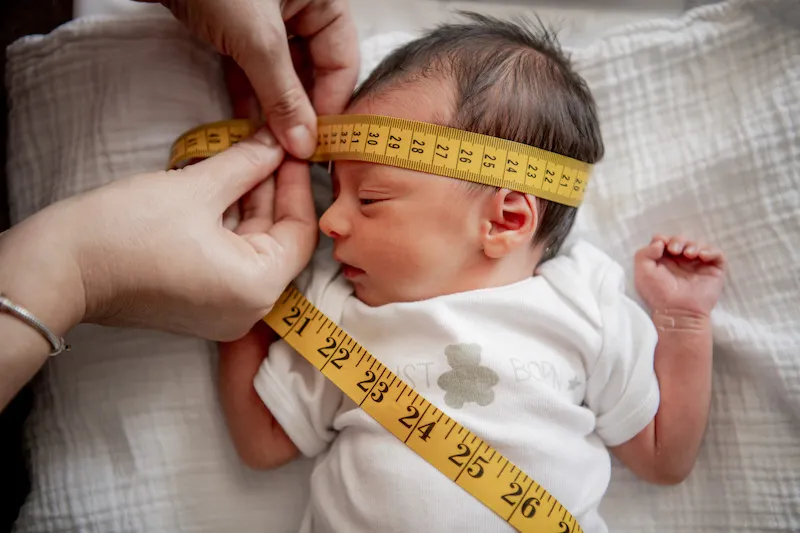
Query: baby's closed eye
x,y
370,198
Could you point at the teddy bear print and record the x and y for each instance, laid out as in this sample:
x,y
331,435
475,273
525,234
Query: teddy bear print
x,y
467,381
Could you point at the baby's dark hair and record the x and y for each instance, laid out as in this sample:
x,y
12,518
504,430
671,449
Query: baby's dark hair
x,y
512,80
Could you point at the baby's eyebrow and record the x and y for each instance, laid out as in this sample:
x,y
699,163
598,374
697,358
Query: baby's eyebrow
x,y
354,175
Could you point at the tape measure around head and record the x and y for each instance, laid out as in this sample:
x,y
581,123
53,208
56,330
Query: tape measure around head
x,y
451,448
466,459
418,146
208,139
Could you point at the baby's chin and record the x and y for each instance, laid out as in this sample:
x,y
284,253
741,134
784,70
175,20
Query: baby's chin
x,y
374,297
369,297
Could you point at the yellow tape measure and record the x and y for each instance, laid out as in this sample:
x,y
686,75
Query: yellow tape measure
x,y
450,447
418,146
208,139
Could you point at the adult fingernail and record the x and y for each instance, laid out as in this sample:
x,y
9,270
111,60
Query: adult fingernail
x,y
301,144
263,135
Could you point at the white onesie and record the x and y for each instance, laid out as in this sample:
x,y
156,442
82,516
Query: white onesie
x,y
562,367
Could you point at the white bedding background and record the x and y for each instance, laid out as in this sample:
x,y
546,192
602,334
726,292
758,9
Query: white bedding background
x,y
700,117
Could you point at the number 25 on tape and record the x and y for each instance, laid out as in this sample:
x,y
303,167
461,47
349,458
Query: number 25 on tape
x,y
451,448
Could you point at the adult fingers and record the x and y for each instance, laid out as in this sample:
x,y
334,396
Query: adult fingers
x,y
284,102
288,245
230,174
257,209
332,45
244,102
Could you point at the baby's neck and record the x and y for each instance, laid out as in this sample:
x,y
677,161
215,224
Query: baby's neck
x,y
488,273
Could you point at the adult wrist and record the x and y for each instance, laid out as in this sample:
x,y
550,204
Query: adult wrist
x,y
39,273
39,270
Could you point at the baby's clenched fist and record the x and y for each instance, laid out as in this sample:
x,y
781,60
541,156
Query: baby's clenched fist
x,y
674,274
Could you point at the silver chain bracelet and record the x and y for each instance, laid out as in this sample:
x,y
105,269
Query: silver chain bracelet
x,y
56,342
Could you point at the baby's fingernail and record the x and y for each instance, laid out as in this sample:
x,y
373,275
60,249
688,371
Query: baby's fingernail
x,y
674,247
690,250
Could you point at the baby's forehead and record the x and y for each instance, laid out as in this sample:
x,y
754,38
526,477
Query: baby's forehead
x,y
424,100
428,100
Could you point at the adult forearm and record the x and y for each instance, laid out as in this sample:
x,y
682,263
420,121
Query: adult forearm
x,y
37,271
683,365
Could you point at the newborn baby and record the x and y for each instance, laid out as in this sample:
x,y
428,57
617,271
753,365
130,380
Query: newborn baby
x,y
537,350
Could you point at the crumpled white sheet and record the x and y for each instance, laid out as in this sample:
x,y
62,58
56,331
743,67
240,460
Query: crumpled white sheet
x,y
127,433
700,118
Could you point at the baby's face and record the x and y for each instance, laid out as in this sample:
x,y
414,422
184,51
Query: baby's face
x,y
403,235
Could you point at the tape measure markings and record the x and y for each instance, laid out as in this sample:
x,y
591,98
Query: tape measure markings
x,y
419,146
511,493
478,155
462,456
449,133
475,178
209,139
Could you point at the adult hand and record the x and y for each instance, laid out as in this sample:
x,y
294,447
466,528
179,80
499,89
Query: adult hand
x,y
151,250
254,34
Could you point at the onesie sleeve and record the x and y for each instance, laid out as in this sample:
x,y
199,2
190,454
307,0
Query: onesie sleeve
x,y
621,388
298,395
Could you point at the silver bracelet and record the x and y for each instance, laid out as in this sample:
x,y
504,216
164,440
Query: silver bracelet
x,y
9,307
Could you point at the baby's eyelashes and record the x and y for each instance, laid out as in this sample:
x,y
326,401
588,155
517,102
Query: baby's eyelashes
x,y
372,199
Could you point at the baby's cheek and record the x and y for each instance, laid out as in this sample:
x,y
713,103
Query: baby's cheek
x,y
406,266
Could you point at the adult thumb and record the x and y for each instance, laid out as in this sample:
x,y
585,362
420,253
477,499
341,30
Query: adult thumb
x,y
233,172
284,102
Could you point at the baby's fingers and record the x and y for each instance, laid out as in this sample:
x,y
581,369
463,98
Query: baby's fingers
x,y
658,237
654,251
691,250
711,254
676,245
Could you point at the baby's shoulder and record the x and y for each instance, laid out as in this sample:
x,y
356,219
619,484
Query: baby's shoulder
x,y
585,275
581,262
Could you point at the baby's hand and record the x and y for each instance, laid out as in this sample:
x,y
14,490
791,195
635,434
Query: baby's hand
x,y
676,274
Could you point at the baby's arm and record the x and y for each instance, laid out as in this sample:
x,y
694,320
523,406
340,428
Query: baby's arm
x,y
260,441
680,282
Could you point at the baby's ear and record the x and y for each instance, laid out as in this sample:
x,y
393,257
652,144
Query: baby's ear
x,y
511,220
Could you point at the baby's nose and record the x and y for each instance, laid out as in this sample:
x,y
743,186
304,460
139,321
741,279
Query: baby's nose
x,y
333,223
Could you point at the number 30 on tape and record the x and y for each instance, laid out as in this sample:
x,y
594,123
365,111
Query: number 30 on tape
x,y
417,146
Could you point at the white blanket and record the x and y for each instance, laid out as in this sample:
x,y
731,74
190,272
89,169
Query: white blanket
x,y
700,117
127,433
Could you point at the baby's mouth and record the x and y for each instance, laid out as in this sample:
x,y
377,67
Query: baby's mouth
x,y
348,271
351,272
